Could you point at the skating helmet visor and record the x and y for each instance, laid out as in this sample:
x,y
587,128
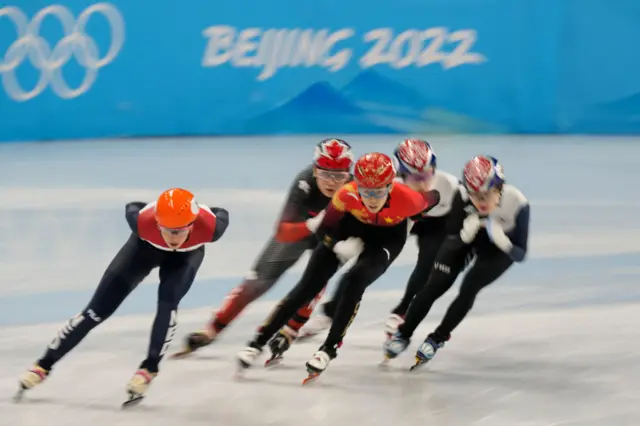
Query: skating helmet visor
x,y
177,231
332,175
374,192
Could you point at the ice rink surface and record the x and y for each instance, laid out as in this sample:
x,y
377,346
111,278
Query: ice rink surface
x,y
554,342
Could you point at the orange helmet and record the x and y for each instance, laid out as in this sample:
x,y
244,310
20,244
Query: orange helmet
x,y
176,208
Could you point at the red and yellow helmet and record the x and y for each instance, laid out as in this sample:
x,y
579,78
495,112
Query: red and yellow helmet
x,y
374,170
176,208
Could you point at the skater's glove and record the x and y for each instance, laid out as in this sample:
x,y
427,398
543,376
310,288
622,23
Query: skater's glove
x,y
470,228
497,236
314,223
349,248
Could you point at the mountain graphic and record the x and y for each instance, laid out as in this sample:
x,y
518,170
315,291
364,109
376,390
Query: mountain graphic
x,y
627,105
621,116
389,103
318,109
373,91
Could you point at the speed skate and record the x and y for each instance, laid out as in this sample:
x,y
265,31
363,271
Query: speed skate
x,y
134,400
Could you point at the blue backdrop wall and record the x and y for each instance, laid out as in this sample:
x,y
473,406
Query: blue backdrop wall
x,y
81,69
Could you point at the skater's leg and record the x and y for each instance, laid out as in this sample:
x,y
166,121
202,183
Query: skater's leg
x,y
371,264
321,267
322,321
177,274
448,264
300,318
377,256
130,266
428,245
281,342
275,260
489,266
329,308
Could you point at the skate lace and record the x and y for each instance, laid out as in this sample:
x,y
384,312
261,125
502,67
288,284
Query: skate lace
x,y
144,375
40,372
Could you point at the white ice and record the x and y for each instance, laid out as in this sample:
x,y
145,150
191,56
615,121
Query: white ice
x,y
571,367
555,342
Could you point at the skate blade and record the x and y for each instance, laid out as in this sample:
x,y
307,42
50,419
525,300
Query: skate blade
x,y
181,354
273,362
240,372
241,368
239,375
419,363
311,378
385,361
17,397
134,399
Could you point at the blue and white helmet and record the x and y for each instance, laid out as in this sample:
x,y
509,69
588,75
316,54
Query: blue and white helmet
x,y
414,156
482,174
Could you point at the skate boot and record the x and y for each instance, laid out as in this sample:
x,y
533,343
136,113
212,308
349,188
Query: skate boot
x,y
316,325
395,345
319,363
137,386
391,325
195,341
427,350
280,343
248,356
30,379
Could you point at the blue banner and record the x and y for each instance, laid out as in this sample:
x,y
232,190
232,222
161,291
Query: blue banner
x,y
81,69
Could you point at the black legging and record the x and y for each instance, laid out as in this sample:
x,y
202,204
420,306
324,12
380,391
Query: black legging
x,y
130,266
490,264
430,237
429,234
382,246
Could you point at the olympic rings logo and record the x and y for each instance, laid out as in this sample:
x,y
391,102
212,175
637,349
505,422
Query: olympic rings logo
x,y
29,45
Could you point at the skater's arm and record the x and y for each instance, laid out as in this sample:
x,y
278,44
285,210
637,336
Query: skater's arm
x,y
131,213
456,216
334,212
291,225
417,202
432,198
520,235
222,222
331,219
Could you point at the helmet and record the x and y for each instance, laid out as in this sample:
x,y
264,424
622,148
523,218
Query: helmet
x,y
374,170
414,156
482,174
176,208
333,154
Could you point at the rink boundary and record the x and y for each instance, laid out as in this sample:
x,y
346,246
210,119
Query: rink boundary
x,y
142,322
543,247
